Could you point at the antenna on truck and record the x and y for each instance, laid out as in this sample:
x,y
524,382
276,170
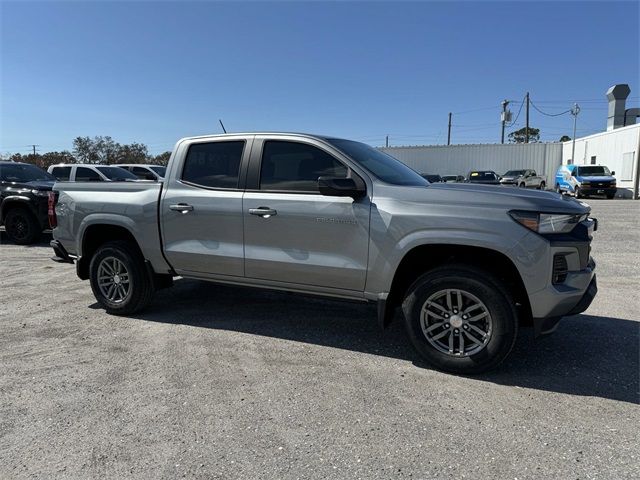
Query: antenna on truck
x,y
222,125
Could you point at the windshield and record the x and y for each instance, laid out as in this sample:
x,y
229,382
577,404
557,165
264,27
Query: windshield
x,y
514,173
599,171
476,176
23,172
116,173
159,170
381,165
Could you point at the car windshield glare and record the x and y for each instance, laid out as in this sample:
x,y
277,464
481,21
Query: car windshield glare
x,y
22,172
382,166
595,171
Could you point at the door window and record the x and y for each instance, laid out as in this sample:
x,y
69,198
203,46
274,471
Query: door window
x,y
61,173
84,174
214,164
292,166
141,172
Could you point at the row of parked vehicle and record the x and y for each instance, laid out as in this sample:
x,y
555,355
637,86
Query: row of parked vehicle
x,y
578,180
25,191
518,178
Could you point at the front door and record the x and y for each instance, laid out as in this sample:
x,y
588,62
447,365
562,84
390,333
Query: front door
x,y
294,234
201,209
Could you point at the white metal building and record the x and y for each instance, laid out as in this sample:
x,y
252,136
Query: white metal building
x,y
618,149
544,158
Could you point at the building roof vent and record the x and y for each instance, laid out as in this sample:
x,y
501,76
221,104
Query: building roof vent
x,y
617,96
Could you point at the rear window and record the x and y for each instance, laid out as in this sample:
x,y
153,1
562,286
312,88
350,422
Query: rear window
x,y
159,170
214,164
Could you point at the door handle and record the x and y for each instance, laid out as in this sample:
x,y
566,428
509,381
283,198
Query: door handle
x,y
264,212
181,207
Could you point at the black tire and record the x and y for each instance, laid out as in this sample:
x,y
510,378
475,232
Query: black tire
x,y
503,318
558,189
523,185
611,196
140,287
542,186
21,226
577,192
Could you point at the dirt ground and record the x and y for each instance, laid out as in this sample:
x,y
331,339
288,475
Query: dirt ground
x,y
221,382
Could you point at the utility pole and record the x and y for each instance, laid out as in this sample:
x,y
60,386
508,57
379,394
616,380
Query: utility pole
x,y
504,118
526,128
34,148
449,131
574,111
386,143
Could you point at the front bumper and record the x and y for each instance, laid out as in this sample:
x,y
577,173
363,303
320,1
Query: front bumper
x,y
598,190
544,326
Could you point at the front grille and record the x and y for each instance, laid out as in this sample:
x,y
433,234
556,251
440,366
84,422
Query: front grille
x,y
560,269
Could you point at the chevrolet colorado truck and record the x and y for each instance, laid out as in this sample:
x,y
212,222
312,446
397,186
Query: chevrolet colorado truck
x,y
467,264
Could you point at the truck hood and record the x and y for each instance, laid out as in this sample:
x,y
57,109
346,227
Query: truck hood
x,y
489,196
35,185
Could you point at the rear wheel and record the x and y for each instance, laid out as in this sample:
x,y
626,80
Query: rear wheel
x,y
21,226
119,279
460,319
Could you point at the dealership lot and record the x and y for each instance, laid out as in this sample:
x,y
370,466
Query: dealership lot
x,y
221,382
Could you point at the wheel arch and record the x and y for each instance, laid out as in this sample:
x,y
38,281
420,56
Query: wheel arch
x,y
425,257
15,201
95,235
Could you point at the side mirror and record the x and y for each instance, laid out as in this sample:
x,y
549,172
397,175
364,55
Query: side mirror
x,y
341,187
574,174
613,173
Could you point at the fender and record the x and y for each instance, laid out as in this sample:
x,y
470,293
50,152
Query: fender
x,y
11,200
384,266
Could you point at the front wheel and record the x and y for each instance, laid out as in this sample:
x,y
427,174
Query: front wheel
x,y
119,279
522,185
460,319
578,193
542,186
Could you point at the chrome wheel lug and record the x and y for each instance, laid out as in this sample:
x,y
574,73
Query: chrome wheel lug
x,y
446,325
446,315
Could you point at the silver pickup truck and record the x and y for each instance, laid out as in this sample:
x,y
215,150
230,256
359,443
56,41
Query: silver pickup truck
x,y
467,264
523,179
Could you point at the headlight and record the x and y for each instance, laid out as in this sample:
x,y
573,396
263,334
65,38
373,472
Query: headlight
x,y
548,222
585,184
40,193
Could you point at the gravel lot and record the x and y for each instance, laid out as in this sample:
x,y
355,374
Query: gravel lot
x,y
220,382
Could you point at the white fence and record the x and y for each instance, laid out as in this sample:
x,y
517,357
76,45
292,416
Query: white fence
x,y
544,158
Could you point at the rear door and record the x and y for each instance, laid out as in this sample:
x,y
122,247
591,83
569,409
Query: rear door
x,y
293,234
201,208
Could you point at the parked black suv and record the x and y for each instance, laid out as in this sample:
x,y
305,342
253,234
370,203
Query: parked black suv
x,y
24,194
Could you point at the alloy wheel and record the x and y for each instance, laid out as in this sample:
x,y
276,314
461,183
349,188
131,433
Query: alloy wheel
x,y
456,322
114,280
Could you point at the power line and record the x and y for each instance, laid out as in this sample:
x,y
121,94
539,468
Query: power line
x,y
549,114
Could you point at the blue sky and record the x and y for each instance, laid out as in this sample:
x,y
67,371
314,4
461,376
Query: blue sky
x,y
153,72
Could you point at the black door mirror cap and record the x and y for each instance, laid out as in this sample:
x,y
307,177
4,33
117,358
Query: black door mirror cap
x,y
341,187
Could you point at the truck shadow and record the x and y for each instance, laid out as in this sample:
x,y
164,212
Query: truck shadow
x,y
43,240
588,355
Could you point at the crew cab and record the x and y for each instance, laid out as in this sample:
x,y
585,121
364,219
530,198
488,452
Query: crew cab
x,y
523,179
467,264
24,196
585,180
